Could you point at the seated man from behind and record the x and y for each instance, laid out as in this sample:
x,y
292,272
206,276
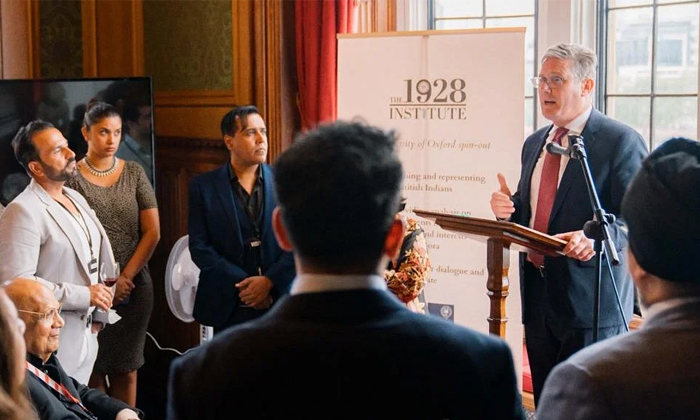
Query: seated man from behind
x,y
653,373
54,394
340,345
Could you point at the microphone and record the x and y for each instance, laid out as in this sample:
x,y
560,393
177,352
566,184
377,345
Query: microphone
x,y
555,149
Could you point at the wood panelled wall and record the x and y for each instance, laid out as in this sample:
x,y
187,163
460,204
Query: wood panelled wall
x,y
179,159
19,35
114,35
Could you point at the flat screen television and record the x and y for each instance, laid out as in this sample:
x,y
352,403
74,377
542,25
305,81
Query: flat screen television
x,y
62,102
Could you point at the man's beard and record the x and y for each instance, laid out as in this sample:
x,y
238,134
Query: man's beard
x,y
63,175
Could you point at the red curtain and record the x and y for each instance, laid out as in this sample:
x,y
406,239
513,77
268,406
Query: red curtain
x,y
317,23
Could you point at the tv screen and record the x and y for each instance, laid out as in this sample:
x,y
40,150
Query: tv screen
x,y
62,102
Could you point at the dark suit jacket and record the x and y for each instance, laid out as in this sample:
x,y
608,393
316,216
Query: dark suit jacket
x,y
50,406
216,245
653,373
353,355
615,153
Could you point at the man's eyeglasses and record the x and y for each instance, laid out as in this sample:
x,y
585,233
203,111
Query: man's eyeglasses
x,y
44,316
553,82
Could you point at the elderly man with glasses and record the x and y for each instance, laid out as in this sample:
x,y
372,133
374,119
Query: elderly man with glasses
x,y
56,395
552,197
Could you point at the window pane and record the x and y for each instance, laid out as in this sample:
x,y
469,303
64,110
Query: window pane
x,y
529,116
620,3
674,1
509,7
675,117
529,24
635,112
459,24
677,49
458,8
629,51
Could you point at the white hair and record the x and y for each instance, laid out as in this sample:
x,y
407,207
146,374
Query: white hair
x,y
584,59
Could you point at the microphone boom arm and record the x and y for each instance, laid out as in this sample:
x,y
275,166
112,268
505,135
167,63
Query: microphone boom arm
x,y
602,219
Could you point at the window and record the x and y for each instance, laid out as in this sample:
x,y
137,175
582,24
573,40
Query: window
x,y
470,14
670,53
651,71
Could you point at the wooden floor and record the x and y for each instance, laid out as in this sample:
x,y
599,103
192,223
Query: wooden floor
x,y
528,401
529,405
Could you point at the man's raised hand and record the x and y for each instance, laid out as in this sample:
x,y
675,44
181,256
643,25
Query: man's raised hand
x,y
501,203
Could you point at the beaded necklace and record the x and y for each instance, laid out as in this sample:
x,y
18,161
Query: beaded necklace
x,y
91,168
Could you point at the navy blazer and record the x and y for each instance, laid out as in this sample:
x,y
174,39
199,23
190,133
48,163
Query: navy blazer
x,y
358,354
615,153
216,245
50,405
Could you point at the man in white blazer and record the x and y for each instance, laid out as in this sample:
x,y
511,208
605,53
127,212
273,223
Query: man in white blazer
x,y
653,373
50,233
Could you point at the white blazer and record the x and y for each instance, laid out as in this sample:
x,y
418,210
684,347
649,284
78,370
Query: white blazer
x,y
38,240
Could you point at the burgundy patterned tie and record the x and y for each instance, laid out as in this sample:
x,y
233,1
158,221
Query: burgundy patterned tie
x,y
548,190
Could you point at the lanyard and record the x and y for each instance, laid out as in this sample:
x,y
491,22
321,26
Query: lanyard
x,y
59,388
86,231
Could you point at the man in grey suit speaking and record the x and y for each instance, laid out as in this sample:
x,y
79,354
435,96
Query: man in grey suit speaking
x,y
50,233
653,373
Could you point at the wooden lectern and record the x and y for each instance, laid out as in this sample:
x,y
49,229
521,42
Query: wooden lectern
x,y
500,238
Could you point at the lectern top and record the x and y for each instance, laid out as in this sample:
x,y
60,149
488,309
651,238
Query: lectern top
x,y
519,237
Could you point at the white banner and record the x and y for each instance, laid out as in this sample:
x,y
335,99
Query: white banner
x,y
456,100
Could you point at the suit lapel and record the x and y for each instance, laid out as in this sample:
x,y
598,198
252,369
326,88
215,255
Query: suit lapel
x,y
530,168
106,253
269,197
223,188
61,217
574,171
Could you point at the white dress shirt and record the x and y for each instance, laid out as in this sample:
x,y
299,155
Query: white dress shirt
x,y
317,283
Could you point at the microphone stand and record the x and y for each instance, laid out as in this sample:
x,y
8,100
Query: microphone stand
x,y
596,229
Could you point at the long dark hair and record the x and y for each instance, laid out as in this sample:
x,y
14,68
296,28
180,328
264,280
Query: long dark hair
x,y
14,398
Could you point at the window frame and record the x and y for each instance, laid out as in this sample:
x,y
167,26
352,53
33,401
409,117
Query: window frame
x,y
431,25
602,94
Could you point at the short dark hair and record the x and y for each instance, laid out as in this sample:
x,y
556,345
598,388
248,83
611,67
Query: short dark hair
x,y
338,189
23,146
97,111
236,116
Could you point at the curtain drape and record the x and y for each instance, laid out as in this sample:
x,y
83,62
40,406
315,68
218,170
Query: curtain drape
x,y
317,23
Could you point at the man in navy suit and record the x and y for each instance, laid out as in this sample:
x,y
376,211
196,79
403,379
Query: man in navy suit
x,y
243,269
558,293
341,345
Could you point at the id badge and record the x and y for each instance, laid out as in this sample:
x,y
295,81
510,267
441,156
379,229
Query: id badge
x,y
92,265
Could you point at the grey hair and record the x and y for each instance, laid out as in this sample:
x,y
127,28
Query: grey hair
x,y
584,59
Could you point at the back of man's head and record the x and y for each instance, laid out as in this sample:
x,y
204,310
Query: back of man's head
x,y
662,210
236,119
338,189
